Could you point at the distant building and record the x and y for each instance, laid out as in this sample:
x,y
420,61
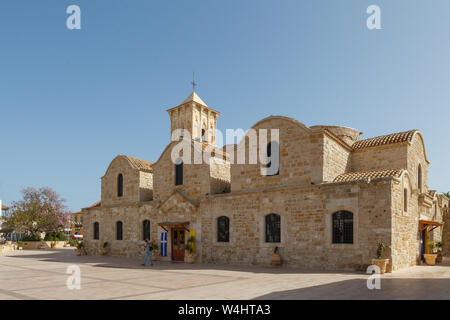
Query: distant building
x,y
4,215
76,225
8,234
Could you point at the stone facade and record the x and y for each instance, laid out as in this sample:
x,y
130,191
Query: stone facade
x,y
323,170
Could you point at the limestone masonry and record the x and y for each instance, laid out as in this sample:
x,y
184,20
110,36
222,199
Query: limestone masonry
x,y
333,200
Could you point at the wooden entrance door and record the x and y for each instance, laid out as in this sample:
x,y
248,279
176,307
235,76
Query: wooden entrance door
x,y
178,244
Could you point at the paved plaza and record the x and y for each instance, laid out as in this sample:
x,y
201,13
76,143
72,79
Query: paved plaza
x,y
41,274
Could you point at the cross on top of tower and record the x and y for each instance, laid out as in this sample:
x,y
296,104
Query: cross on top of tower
x,y
193,82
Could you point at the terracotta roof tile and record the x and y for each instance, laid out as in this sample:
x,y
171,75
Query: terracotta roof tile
x,y
141,165
211,149
97,204
4,207
399,137
368,175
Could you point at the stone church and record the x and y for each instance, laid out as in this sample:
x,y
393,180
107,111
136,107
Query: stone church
x,y
332,200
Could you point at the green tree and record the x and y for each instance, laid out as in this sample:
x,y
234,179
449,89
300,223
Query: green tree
x,y
447,194
40,210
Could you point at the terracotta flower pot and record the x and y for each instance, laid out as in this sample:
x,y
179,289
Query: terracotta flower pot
x,y
190,258
430,258
78,252
104,251
155,255
381,263
276,259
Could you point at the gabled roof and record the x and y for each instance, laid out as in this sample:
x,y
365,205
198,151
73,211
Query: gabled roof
x,y
141,165
368,175
392,138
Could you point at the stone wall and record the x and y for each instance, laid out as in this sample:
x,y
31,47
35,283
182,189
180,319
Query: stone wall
x,y
195,176
145,186
336,159
301,158
416,156
131,183
392,156
405,225
305,225
220,176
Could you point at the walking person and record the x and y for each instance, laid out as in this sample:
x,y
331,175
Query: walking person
x,y
148,252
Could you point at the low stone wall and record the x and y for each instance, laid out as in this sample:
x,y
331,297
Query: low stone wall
x,y
42,244
7,248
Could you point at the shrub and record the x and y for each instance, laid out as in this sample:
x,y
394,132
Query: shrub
x,y
55,236
155,246
31,237
73,242
20,243
380,250
190,245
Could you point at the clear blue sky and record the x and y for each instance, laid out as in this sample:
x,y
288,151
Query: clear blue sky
x,y
71,100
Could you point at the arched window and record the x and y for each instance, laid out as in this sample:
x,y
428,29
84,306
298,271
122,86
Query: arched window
x,y
146,229
419,178
120,185
96,231
405,200
273,146
203,135
119,230
273,228
223,229
179,172
342,227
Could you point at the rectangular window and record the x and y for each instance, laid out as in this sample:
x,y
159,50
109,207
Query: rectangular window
x,y
405,200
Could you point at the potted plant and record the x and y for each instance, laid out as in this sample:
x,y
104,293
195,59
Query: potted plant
x,y
80,248
104,248
155,251
190,248
439,252
276,258
20,245
379,261
430,258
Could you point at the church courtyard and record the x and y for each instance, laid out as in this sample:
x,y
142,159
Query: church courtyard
x,y
42,274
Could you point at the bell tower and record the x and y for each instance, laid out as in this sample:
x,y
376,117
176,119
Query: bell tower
x,y
195,117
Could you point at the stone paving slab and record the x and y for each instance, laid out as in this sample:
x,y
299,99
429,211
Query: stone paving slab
x,y
41,274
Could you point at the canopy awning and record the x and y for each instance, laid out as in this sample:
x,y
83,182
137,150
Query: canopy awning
x,y
428,223
174,224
